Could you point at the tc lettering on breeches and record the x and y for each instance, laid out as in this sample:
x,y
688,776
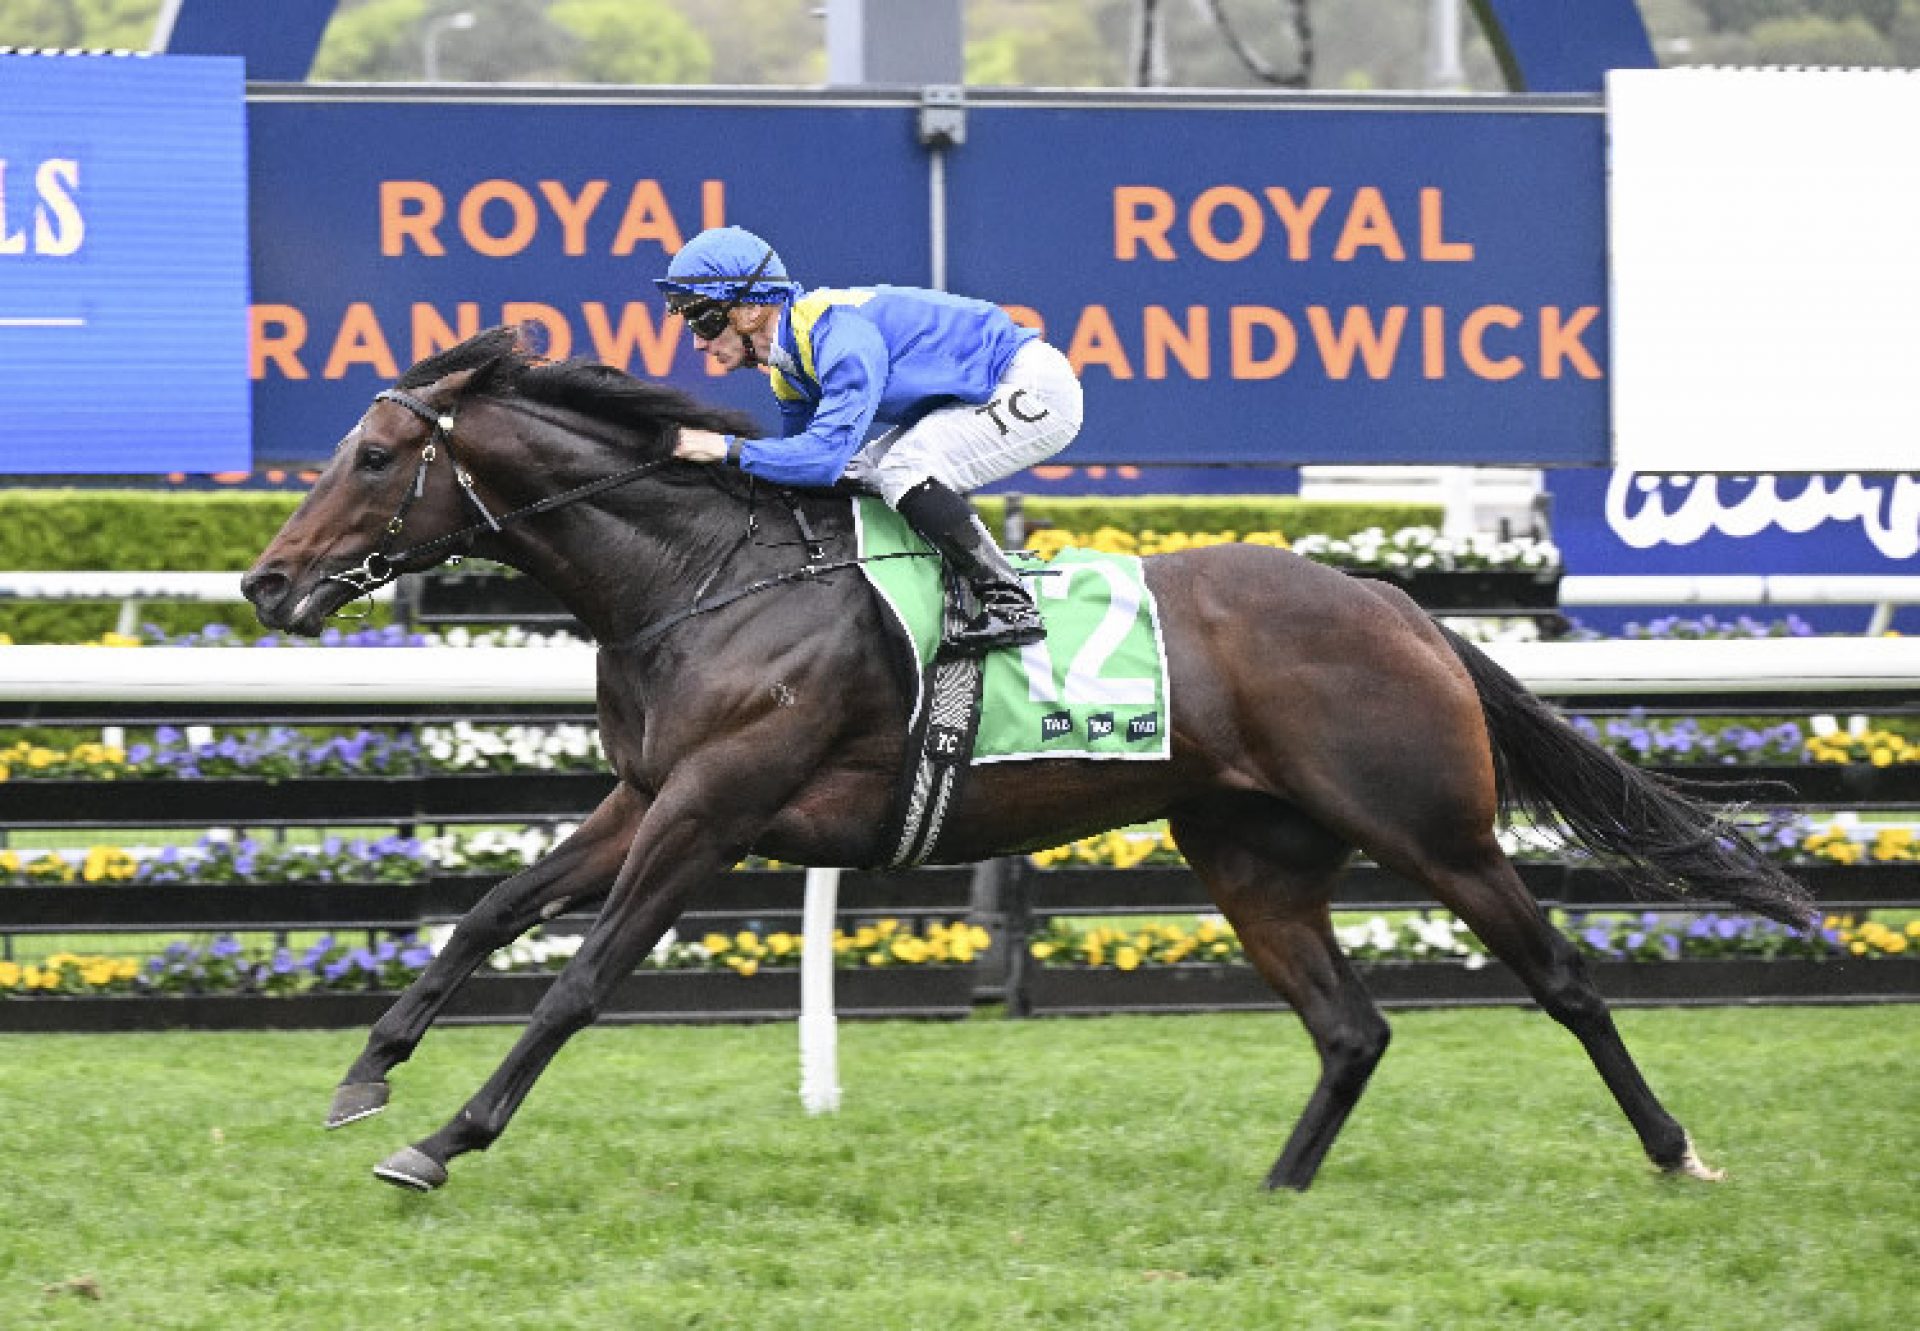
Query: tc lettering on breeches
x,y
1035,412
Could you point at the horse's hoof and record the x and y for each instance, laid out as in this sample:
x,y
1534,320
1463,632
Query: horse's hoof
x,y
410,1167
354,1101
1690,1165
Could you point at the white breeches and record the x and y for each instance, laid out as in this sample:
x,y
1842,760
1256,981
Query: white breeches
x,y
1035,412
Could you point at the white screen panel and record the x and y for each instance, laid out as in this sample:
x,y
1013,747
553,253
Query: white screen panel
x,y
1765,237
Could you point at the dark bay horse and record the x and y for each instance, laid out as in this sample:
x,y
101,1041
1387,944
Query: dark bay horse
x,y
1313,715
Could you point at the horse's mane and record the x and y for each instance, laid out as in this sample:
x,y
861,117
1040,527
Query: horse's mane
x,y
506,368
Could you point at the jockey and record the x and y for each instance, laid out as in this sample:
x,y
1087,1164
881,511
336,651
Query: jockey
x,y
969,396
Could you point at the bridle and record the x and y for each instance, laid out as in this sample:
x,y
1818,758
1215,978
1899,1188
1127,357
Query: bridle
x,y
384,564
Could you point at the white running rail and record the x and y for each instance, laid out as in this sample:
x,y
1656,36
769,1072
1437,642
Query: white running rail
x,y
565,674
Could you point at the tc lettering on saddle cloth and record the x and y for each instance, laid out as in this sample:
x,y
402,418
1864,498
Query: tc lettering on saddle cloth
x,y
1096,687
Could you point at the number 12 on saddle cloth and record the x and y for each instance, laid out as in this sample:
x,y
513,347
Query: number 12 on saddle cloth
x,y
1095,687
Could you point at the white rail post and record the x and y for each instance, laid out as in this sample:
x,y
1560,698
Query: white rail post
x,y
819,1027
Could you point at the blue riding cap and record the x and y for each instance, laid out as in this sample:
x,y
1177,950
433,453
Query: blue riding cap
x,y
720,264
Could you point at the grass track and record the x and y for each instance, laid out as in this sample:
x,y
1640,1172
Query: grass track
x,y
1098,1173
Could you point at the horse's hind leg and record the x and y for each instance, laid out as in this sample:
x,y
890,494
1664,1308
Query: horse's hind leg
x,y
576,872
1272,873
1488,895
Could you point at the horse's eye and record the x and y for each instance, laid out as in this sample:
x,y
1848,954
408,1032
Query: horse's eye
x,y
374,458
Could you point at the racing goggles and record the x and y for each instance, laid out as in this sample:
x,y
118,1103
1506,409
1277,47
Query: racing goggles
x,y
710,318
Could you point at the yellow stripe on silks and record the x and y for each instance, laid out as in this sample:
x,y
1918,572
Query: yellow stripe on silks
x,y
807,312
783,389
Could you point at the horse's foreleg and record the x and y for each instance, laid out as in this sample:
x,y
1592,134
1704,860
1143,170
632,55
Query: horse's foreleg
x,y
577,871
681,844
1272,875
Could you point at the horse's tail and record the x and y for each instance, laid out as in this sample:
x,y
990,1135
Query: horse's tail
x,y
1649,832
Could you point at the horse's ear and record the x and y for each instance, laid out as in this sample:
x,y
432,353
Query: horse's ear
x,y
448,389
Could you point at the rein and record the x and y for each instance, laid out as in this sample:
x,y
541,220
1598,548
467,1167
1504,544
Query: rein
x,y
657,630
382,566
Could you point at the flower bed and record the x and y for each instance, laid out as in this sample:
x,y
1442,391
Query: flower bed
x,y
1788,838
221,859
279,753
883,969
1644,959
226,965
1648,936
1191,987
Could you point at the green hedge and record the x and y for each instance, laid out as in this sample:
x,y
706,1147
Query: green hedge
x,y
136,530
198,531
1240,514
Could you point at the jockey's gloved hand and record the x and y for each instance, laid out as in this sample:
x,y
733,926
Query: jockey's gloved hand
x,y
703,446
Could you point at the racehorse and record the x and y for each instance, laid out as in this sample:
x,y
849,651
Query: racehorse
x,y
747,703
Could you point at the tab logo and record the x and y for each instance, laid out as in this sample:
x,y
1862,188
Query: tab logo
x,y
1143,727
1100,725
1055,725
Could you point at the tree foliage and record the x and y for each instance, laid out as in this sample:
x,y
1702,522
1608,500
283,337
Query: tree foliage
x,y
633,41
122,25
1356,44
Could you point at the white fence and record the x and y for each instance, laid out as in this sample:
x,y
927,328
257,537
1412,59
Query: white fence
x,y
1885,594
565,674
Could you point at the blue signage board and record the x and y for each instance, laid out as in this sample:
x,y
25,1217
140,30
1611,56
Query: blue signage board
x,y
1253,285
1352,284
388,230
123,266
1625,523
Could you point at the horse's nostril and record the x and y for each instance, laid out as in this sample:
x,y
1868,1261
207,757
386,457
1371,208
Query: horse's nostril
x,y
263,588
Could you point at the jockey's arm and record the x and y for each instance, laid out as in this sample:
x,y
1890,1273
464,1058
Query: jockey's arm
x,y
851,359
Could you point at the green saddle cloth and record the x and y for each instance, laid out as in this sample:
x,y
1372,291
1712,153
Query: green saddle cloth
x,y
1095,688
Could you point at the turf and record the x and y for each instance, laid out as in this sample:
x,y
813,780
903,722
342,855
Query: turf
x,y
1099,1173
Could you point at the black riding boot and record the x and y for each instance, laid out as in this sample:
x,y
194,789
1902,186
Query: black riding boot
x,y
1008,617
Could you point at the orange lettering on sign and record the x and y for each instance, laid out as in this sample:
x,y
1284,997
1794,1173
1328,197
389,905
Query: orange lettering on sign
x,y
1473,335
525,218
1096,343
1243,321
360,342
1185,343
573,211
1377,347
1433,248
1433,342
713,203
1560,342
637,331
409,211
432,334
1369,223
1142,214
647,218
1027,317
1298,218
1253,224
278,333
